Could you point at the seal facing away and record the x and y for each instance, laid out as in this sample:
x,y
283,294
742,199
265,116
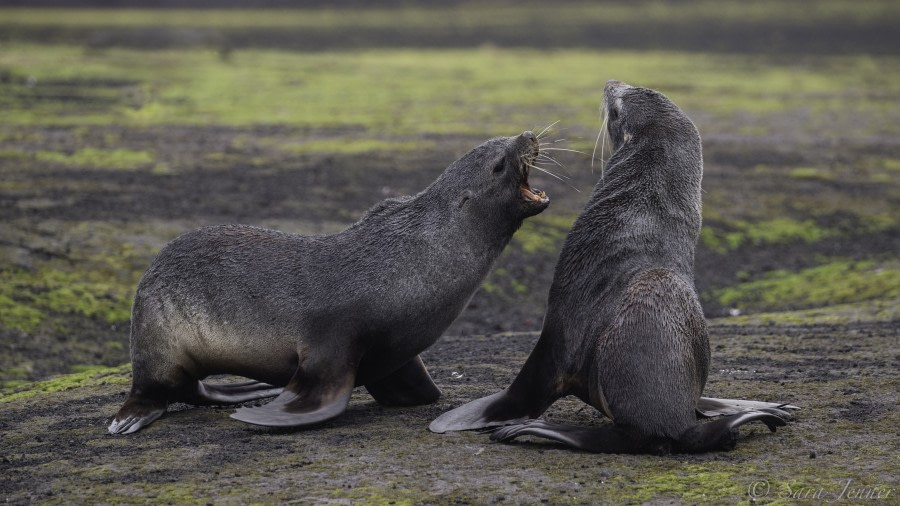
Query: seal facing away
x,y
624,330
319,315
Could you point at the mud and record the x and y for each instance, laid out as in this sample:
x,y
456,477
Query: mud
x,y
55,447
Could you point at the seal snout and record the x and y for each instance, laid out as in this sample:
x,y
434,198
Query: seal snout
x,y
615,88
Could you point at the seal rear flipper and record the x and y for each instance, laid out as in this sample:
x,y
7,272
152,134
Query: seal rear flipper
x,y
604,439
722,434
410,385
709,407
306,400
232,393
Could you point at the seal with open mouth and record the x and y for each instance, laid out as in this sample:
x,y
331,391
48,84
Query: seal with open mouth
x,y
318,315
624,330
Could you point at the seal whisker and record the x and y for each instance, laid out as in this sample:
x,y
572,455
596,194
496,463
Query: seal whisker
x,y
545,169
566,149
552,142
544,156
554,175
604,127
593,155
547,128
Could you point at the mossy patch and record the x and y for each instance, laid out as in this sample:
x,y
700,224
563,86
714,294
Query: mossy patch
x,y
26,297
93,158
689,483
87,376
836,282
543,233
811,174
881,310
355,146
737,234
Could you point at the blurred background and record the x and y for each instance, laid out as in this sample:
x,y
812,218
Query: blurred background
x,y
124,124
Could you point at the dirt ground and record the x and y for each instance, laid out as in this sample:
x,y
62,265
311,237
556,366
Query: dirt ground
x,y
56,449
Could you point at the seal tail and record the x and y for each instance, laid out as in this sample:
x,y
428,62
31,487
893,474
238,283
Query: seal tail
x,y
720,434
709,407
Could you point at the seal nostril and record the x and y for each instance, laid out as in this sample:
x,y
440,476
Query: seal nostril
x,y
528,134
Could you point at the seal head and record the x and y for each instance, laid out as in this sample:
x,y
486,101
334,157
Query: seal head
x,y
497,172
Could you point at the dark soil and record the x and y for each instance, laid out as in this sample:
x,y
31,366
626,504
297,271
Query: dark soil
x,y
55,448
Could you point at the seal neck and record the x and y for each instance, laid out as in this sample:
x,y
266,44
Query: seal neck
x,y
645,213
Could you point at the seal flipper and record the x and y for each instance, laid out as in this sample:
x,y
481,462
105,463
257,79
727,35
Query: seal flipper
x,y
495,409
306,400
410,385
709,407
138,411
231,393
535,388
721,434
603,439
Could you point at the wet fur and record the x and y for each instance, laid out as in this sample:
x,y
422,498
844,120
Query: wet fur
x,y
624,330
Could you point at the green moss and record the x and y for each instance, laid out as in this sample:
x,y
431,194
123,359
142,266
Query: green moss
x,y
837,282
88,376
18,316
811,173
418,90
543,234
690,483
28,297
356,146
124,159
775,231
881,310
383,495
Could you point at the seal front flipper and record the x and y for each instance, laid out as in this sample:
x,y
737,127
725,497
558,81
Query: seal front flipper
x,y
410,385
477,414
709,407
535,388
306,400
138,411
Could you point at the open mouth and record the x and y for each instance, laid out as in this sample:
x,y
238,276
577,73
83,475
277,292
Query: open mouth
x,y
528,193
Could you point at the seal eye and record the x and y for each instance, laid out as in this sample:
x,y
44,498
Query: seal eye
x,y
499,166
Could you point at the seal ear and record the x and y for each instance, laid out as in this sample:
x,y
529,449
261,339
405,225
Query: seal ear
x,y
464,197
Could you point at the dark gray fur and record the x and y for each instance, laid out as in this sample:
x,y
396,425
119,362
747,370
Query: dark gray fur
x,y
320,314
624,330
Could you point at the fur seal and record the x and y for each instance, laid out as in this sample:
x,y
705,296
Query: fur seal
x,y
624,330
319,315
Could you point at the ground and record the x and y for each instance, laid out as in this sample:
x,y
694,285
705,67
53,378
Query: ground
x,y
122,131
